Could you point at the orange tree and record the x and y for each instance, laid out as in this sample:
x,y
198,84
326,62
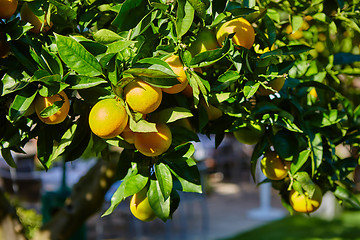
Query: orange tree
x,y
93,50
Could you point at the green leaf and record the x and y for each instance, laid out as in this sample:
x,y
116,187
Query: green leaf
x,y
187,173
285,144
6,154
130,14
77,57
51,85
13,81
119,46
306,183
154,71
184,18
144,24
51,110
317,148
64,142
83,82
163,175
250,88
200,7
106,36
259,149
169,115
45,146
296,22
22,102
158,203
332,117
141,125
226,79
347,196
51,62
298,162
209,57
80,139
271,29
286,50
132,183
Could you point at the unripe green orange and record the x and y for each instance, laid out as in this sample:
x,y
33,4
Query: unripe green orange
x,y
41,103
142,97
205,41
275,84
153,144
108,118
250,134
244,32
213,112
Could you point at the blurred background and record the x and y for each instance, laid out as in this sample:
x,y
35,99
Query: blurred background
x,y
233,206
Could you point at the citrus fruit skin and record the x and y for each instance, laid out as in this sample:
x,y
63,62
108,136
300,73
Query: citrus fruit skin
x,y
128,135
140,207
273,167
178,68
27,15
302,203
275,84
108,118
41,103
251,134
213,112
7,8
205,41
142,97
244,32
153,144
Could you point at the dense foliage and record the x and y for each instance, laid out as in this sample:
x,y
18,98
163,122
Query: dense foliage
x,y
92,49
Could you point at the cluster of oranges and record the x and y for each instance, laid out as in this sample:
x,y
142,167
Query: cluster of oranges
x,y
275,168
109,117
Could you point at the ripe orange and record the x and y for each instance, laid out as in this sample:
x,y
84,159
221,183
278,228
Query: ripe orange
x,y
251,134
188,91
108,118
244,32
275,84
43,102
178,68
153,144
142,97
303,203
140,207
27,15
8,8
205,41
273,167
4,45
128,135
